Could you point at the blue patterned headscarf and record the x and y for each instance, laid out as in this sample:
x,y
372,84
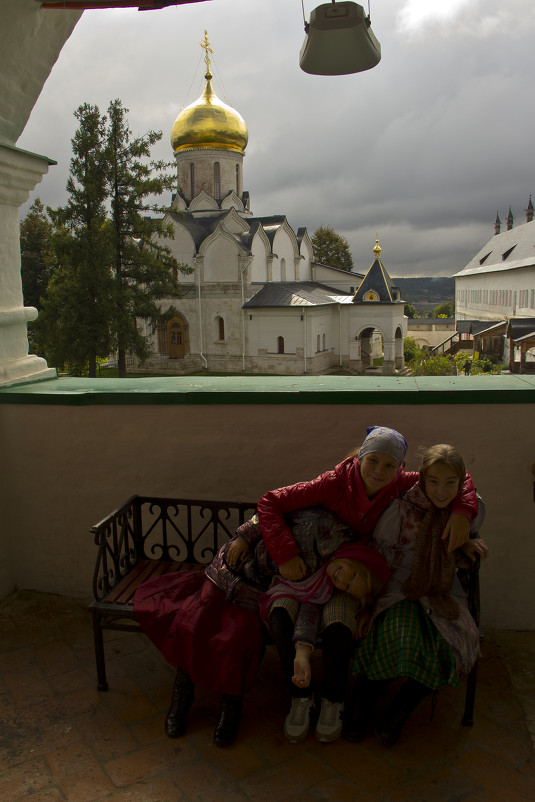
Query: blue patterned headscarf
x,y
386,441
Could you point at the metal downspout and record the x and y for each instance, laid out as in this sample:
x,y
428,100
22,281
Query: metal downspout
x,y
305,340
340,335
243,318
200,320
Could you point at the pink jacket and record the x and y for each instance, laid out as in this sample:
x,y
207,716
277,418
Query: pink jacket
x,y
340,490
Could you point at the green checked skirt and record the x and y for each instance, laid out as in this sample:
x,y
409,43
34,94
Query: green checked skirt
x,y
403,642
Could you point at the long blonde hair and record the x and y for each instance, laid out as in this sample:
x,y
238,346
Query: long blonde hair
x,y
443,454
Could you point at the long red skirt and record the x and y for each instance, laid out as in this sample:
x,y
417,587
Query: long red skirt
x,y
196,629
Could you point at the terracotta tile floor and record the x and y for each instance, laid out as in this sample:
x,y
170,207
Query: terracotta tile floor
x,y
60,739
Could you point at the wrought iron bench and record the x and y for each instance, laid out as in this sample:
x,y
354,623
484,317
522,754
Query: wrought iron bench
x,y
147,537
150,536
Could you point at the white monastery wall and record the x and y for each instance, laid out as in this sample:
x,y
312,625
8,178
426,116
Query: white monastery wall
x,y
343,280
267,325
304,269
257,271
284,247
496,295
182,247
220,263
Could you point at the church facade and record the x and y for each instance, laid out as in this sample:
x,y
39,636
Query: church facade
x,y
255,300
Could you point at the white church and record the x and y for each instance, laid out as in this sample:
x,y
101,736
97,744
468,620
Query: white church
x,y
256,301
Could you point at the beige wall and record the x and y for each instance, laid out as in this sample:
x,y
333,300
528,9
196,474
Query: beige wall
x,y
71,465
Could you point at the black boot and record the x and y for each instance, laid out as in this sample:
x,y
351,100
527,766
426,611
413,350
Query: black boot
x,y
358,713
389,728
181,701
229,720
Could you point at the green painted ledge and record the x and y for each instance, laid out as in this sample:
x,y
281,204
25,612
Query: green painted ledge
x,y
69,391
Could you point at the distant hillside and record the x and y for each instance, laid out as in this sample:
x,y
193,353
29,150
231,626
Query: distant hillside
x,y
432,290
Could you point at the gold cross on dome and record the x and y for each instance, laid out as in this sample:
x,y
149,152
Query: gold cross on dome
x,y
205,44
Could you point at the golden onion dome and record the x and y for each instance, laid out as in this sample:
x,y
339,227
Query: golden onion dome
x,y
377,249
209,123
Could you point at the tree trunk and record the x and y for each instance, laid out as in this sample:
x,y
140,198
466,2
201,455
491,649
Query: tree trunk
x,y
121,363
92,364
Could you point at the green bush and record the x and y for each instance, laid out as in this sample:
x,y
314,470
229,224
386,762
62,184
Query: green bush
x,y
410,348
425,365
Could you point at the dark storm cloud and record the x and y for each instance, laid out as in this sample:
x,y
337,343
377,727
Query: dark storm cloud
x,y
424,149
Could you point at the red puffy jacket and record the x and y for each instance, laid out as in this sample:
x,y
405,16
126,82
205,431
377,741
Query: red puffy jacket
x,y
341,491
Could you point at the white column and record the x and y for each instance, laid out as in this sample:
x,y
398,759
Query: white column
x,y
389,361
20,171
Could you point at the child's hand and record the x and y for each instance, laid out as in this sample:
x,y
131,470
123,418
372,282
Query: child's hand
x,y
294,570
236,551
476,548
457,530
363,622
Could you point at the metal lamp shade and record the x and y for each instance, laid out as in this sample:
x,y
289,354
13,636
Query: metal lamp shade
x,y
339,41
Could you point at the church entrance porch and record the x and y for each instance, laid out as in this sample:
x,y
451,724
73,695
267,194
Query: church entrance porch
x,y
367,346
176,338
173,338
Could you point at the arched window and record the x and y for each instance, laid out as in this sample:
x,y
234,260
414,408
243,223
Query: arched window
x,y
318,346
283,269
238,180
280,345
192,179
324,343
217,181
219,329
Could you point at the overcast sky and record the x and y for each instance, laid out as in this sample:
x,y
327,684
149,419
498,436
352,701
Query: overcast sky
x,y
424,149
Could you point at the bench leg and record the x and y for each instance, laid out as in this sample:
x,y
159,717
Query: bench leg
x,y
468,716
102,683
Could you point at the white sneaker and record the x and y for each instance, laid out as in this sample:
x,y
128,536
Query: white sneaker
x,y
297,722
329,726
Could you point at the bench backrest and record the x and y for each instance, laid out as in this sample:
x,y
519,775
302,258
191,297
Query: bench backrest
x,y
153,528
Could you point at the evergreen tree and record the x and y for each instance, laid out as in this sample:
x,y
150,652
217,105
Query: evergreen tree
x,y
144,268
59,328
331,248
74,327
36,253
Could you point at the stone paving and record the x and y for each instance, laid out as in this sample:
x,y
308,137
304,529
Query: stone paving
x,y
61,739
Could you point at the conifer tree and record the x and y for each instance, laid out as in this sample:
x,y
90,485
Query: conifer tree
x,y
144,268
37,254
74,326
331,248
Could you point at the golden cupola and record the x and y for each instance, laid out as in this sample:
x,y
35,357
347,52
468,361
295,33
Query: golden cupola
x,y
208,122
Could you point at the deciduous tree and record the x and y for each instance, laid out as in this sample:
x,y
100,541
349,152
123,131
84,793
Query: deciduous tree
x,y
331,248
444,310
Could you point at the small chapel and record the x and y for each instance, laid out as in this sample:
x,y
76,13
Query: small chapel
x,y
256,301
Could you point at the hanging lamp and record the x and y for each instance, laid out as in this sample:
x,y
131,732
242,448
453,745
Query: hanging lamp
x,y
339,40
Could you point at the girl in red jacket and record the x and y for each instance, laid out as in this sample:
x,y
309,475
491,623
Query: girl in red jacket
x,y
358,490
